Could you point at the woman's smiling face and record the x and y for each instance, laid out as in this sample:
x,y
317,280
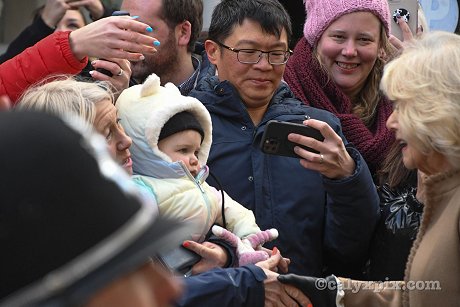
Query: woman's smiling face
x,y
349,48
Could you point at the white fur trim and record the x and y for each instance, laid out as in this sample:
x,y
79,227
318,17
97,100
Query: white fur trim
x,y
150,86
145,109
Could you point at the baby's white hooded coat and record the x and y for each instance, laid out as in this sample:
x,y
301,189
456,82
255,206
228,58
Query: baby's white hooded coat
x,y
144,110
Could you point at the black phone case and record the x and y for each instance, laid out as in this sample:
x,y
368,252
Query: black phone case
x,y
179,260
275,141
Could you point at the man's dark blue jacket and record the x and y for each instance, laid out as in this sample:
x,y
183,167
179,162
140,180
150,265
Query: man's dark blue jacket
x,y
322,223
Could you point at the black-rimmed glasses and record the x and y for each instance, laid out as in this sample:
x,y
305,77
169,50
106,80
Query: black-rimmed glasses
x,y
252,56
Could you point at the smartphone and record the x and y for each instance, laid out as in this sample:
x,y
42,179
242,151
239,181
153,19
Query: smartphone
x,y
179,260
275,141
408,9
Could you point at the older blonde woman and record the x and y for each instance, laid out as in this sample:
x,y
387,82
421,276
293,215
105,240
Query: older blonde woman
x,y
423,84
92,102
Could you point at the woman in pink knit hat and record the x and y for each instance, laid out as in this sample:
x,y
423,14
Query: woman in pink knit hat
x,y
338,64
426,100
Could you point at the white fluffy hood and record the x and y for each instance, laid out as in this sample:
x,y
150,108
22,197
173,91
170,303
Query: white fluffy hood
x,y
144,109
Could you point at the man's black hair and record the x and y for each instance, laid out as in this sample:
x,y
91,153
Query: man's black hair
x,y
270,14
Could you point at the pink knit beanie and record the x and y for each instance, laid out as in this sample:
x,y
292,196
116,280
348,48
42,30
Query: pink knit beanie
x,y
321,13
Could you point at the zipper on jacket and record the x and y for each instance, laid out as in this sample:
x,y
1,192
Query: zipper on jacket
x,y
203,194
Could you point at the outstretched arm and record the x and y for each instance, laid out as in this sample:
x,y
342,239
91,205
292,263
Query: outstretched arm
x,y
251,285
242,286
333,291
67,52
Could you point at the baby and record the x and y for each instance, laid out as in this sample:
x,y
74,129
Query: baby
x,y
172,135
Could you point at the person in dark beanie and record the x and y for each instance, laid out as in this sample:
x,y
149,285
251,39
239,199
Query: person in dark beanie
x,y
75,230
171,137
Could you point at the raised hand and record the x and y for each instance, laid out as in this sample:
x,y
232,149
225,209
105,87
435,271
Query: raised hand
x,y
113,37
333,160
407,35
53,11
95,7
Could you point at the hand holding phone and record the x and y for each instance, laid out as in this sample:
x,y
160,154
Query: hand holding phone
x,y
408,11
275,138
179,260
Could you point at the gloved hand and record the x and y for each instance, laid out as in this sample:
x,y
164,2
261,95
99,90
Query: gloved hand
x,y
246,248
322,292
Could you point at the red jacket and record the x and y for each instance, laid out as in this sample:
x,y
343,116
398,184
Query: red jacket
x,y
51,55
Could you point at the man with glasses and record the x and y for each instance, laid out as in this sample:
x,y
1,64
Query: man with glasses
x,y
252,56
325,206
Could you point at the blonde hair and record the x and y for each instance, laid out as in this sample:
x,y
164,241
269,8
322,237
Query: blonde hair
x,y
365,104
65,96
422,22
424,82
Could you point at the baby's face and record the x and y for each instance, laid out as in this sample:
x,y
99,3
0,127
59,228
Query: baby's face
x,y
183,146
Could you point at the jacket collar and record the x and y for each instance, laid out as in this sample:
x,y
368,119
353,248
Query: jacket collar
x,y
222,99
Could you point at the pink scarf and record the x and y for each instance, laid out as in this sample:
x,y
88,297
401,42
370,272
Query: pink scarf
x,y
310,84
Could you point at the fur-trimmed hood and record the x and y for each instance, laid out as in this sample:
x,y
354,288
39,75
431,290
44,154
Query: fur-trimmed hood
x,y
144,109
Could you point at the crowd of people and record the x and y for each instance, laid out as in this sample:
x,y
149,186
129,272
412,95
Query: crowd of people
x,y
127,137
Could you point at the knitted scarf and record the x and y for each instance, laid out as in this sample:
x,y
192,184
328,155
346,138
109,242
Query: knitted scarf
x,y
313,86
